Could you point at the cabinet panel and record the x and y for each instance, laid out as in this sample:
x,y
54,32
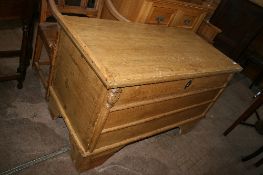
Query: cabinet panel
x,y
76,86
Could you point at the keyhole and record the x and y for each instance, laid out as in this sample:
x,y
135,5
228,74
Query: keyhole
x,y
188,84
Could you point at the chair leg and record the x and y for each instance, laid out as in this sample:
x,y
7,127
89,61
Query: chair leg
x,y
254,154
252,108
51,69
36,58
30,44
23,57
259,163
52,63
37,51
37,63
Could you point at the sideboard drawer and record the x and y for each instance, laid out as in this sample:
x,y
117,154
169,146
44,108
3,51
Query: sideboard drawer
x,y
152,91
160,16
188,19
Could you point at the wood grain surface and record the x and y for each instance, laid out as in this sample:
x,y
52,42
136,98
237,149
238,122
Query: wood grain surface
x,y
125,54
116,83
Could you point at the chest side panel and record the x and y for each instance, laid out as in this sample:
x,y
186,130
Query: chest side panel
x,y
77,90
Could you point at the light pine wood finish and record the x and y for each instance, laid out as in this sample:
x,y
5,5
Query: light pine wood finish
x,y
116,83
176,13
150,54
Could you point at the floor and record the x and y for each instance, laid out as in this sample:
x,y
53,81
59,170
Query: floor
x,y
27,132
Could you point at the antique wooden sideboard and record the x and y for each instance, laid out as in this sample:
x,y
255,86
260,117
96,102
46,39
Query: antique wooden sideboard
x,y
187,14
21,15
115,83
192,15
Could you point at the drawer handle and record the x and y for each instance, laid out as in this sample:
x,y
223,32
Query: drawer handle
x,y
188,84
187,22
160,19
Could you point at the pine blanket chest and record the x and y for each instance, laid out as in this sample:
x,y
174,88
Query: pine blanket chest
x,y
115,83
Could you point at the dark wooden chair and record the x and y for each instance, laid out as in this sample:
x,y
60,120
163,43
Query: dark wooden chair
x,y
23,12
258,125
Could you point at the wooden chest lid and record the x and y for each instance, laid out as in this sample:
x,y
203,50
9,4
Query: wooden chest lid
x,y
127,54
